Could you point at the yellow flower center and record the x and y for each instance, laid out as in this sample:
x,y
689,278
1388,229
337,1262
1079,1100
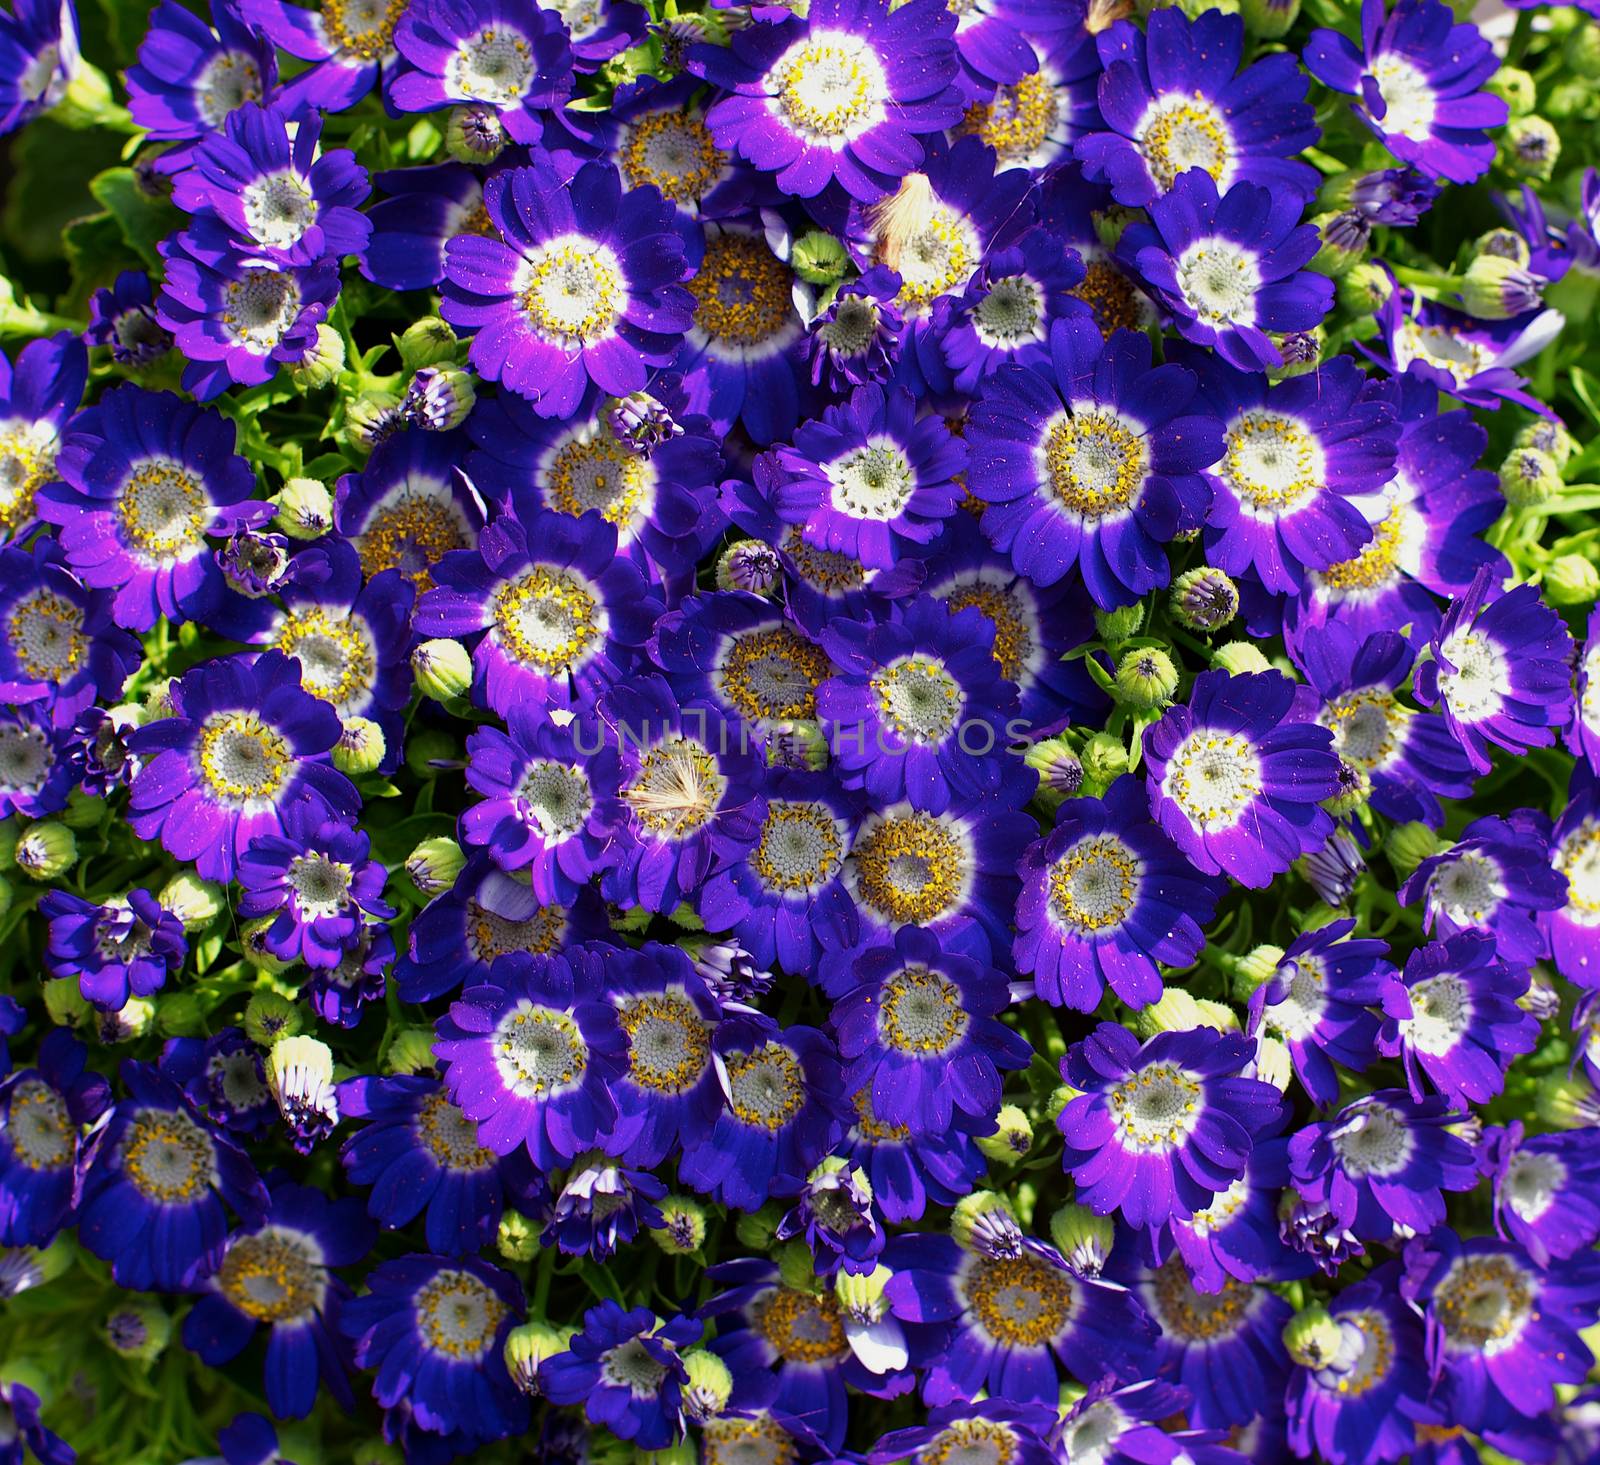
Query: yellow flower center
x,y
677,788
450,1137
45,632
1096,462
830,88
801,1327
1157,1108
668,1042
167,1157
459,1316
272,1275
362,28
161,511
772,674
1021,1302
673,152
766,1086
411,531
242,760
921,1012
572,291
1213,778
1020,119
909,868
337,659
1093,885
27,463
800,848
1272,463
741,292
550,619
1179,133
539,1051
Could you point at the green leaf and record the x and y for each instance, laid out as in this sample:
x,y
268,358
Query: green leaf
x,y
49,188
144,221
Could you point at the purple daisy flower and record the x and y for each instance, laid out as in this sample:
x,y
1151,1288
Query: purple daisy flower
x,y
1296,457
1224,1347
952,873
244,743
835,1218
602,1206
1452,1015
690,784
147,478
22,1406
919,706
43,1112
1003,1322
529,1055
510,59
275,1273
338,994
36,765
1124,1425
1382,1162
869,479
127,946
920,1028
1172,101
58,644
1546,1190
1098,467
843,95
432,1330
191,77
1016,1432
1411,757
783,1113
1159,1129
37,398
38,58
1236,779
318,884
1583,733
907,1173
1317,1001
1501,1333
409,507
1574,931
1353,1406
625,1369
784,898
420,1154
1427,523
580,285
670,1095
1010,306
348,47
155,1179
1417,74
661,503
236,322
1105,896
561,613
1501,670
857,338
1495,878
1229,266
547,807
1237,1236
123,317
262,192
1032,121
224,1075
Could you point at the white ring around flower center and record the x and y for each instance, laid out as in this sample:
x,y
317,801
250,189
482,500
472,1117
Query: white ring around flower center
x,y
1220,279
1474,691
1373,1141
873,482
278,209
1409,100
1214,778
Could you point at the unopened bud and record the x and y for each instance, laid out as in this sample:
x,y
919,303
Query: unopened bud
x,y
529,1345
46,850
1529,149
1146,678
321,365
748,564
1117,626
819,259
1312,1338
303,509
684,1230
434,864
361,747
1571,579
269,1018
1104,760
1011,1141
709,1387
426,342
517,1238
410,1051
138,1330
195,902
443,669
474,134
1239,658
1408,845
1083,1238
1203,599
972,1208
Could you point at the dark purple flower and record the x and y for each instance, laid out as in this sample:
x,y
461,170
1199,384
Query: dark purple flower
x,y
625,1369
37,397
123,316
44,1110
125,947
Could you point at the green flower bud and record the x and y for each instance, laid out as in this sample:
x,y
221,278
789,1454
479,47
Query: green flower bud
x,y
685,1230
1012,1140
1060,772
428,746
1082,1237
1529,477
369,419
1175,1012
1515,87
1529,149
796,1267
426,342
709,1386
517,1238
1355,789
750,565
83,811
1362,288
138,1330
1344,245
269,1018
135,1019
1117,626
1313,1338
756,1229
1256,967
1547,437
64,1002
87,103
474,134
158,701
434,864
46,850
1408,845
798,744
819,258
1273,1064
410,1050
1104,760
971,1207
253,943
1203,599
304,509
443,669
528,1345
298,1068
321,365
1269,19
361,747
1302,352
1239,657
1060,1096
1146,678
180,1015
1503,244
1582,52
1497,288
862,1297
440,398
1563,1102
1571,579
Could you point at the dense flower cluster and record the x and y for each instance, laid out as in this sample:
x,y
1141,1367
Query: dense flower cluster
x,y
826,733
